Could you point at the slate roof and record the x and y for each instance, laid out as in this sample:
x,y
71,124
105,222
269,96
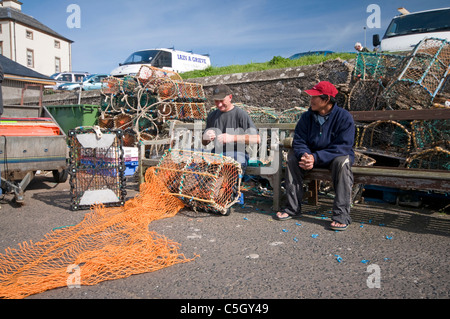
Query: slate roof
x,y
14,68
20,17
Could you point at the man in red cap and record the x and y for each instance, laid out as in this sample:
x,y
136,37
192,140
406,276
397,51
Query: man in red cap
x,y
323,137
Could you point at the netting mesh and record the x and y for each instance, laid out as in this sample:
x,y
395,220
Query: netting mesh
x,y
433,158
385,137
427,134
96,168
291,115
363,95
376,66
110,243
204,181
182,111
423,74
259,114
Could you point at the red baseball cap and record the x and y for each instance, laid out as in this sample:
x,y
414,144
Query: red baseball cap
x,y
323,87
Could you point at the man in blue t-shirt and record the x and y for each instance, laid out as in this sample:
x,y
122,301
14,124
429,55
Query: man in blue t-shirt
x,y
324,138
229,127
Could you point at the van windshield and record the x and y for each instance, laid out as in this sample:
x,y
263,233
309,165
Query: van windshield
x,y
141,57
431,21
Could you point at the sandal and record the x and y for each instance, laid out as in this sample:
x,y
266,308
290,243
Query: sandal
x,y
285,217
339,228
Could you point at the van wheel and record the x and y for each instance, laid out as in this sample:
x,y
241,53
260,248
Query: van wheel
x,y
60,176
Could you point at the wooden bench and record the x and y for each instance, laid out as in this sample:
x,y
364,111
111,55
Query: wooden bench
x,y
267,157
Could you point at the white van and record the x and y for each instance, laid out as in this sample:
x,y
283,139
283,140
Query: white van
x,y
408,29
167,59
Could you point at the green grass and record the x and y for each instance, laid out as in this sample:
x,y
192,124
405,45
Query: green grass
x,y
276,63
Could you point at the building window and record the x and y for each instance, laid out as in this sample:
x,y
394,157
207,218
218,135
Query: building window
x,y
57,44
1,29
1,47
57,65
29,34
30,58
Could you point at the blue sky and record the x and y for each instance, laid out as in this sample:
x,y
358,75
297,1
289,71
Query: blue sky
x,y
231,32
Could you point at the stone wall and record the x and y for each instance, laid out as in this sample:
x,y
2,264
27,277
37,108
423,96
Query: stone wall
x,y
280,89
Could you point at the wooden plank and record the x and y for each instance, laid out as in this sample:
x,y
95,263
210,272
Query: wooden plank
x,y
393,177
401,115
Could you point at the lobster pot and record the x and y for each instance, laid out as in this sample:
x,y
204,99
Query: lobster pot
x,y
422,77
377,66
164,88
291,115
144,74
205,181
433,158
385,137
96,168
167,88
190,91
363,96
259,114
191,111
106,122
128,85
187,112
427,134
123,121
148,73
111,85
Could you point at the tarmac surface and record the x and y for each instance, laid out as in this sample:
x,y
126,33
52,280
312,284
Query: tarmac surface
x,y
388,252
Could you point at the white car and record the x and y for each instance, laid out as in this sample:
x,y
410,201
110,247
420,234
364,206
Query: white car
x,y
66,77
91,82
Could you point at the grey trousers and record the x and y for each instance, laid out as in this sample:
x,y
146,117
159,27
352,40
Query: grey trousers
x,y
342,177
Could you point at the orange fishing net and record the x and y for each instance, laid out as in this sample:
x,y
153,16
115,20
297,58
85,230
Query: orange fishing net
x,y
109,243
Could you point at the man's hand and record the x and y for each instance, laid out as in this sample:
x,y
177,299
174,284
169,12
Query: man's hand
x,y
209,135
306,162
226,138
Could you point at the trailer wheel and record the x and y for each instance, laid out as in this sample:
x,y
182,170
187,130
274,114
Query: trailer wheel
x,y
60,176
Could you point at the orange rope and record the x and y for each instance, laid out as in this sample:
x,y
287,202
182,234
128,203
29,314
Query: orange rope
x,y
110,243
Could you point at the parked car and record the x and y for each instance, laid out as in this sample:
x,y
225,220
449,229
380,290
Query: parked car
x,y
166,59
90,82
66,77
409,28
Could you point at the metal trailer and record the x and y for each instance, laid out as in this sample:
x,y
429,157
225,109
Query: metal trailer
x,y
22,156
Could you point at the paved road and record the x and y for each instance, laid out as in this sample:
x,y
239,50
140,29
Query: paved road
x,y
248,255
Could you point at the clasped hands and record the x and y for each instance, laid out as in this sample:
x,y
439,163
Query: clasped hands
x,y
306,162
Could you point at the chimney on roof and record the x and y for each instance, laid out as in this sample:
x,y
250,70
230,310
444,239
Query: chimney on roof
x,y
14,4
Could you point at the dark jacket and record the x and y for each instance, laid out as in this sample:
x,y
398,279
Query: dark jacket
x,y
334,138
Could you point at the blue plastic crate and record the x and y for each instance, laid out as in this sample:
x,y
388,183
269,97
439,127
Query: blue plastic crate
x,y
130,168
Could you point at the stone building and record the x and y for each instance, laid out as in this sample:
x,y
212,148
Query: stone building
x,y
29,42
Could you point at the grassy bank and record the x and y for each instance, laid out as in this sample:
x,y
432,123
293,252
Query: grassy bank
x,y
276,63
